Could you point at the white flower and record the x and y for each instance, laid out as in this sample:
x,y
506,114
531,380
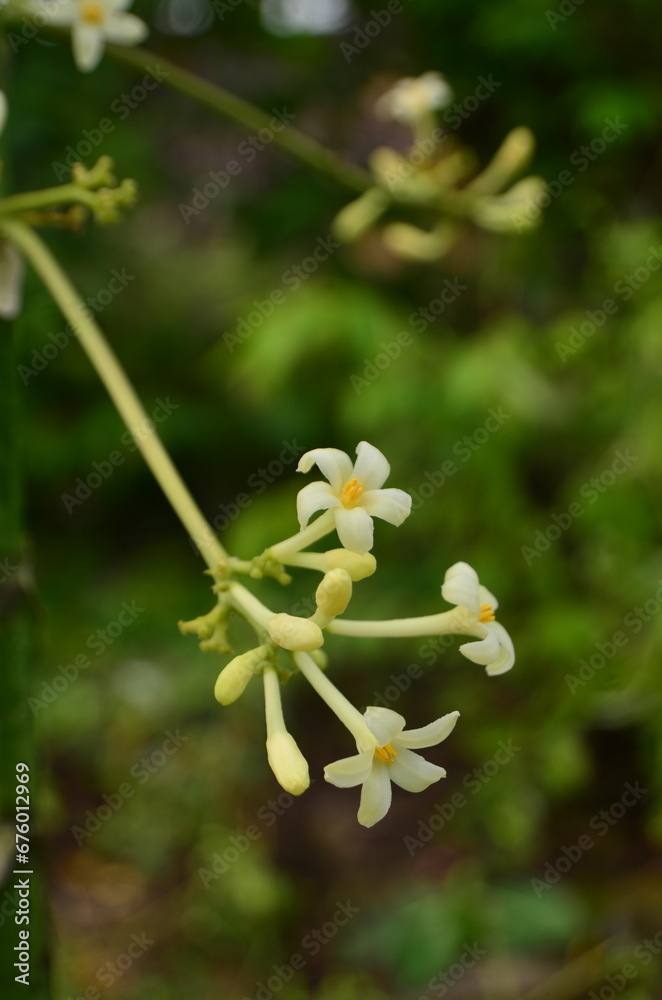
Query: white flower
x,y
495,651
94,22
352,492
412,98
393,760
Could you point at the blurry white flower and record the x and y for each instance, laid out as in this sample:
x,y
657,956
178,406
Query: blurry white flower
x,y
393,760
352,493
93,23
476,606
414,97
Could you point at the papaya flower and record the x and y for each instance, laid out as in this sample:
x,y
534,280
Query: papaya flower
x,y
93,23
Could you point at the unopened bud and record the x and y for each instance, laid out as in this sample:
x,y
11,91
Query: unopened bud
x,y
354,219
287,762
295,633
334,592
233,678
358,567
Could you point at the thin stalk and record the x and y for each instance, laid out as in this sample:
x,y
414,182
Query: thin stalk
x,y
119,388
339,705
299,145
312,533
66,194
446,622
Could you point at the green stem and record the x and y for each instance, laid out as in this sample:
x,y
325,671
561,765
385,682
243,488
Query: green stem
x,y
335,699
445,623
296,143
119,388
67,194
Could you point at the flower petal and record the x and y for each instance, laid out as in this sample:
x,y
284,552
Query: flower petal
x,y
430,735
87,43
355,529
62,13
384,723
390,505
314,496
506,657
371,467
125,29
375,795
350,771
485,651
460,587
487,597
412,772
336,465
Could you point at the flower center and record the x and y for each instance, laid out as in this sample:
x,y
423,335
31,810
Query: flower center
x,y
387,753
352,492
486,613
91,13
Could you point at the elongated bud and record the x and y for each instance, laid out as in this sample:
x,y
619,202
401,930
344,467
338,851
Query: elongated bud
x,y
287,762
358,567
295,633
334,593
412,243
233,678
354,219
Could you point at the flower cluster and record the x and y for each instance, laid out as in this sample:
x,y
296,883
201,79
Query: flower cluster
x,y
437,177
92,24
349,498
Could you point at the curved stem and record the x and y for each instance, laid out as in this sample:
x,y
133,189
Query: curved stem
x,y
335,699
296,143
119,388
65,194
312,533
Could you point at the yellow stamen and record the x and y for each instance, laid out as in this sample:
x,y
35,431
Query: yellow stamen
x,y
486,613
352,492
91,13
386,753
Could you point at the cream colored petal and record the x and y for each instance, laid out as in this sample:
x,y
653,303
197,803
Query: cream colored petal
x,y
355,529
430,735
313,497
390,505
61,12
487,597
87,42
506,658
350,771
412,772
125,29
375,795
371,467
384,723
336,465
485,651
460,587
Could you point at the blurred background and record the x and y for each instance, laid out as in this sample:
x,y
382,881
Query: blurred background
x,y
533,868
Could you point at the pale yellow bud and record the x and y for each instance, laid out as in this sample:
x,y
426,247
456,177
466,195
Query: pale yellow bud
x,y
358,567
287,762
358,216
233,678
412,243
334,592
295,633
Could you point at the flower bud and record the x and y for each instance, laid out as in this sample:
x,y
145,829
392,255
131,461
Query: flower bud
x,y
334,592
233,678
295,633
411,243
354,219
287,762
358,567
